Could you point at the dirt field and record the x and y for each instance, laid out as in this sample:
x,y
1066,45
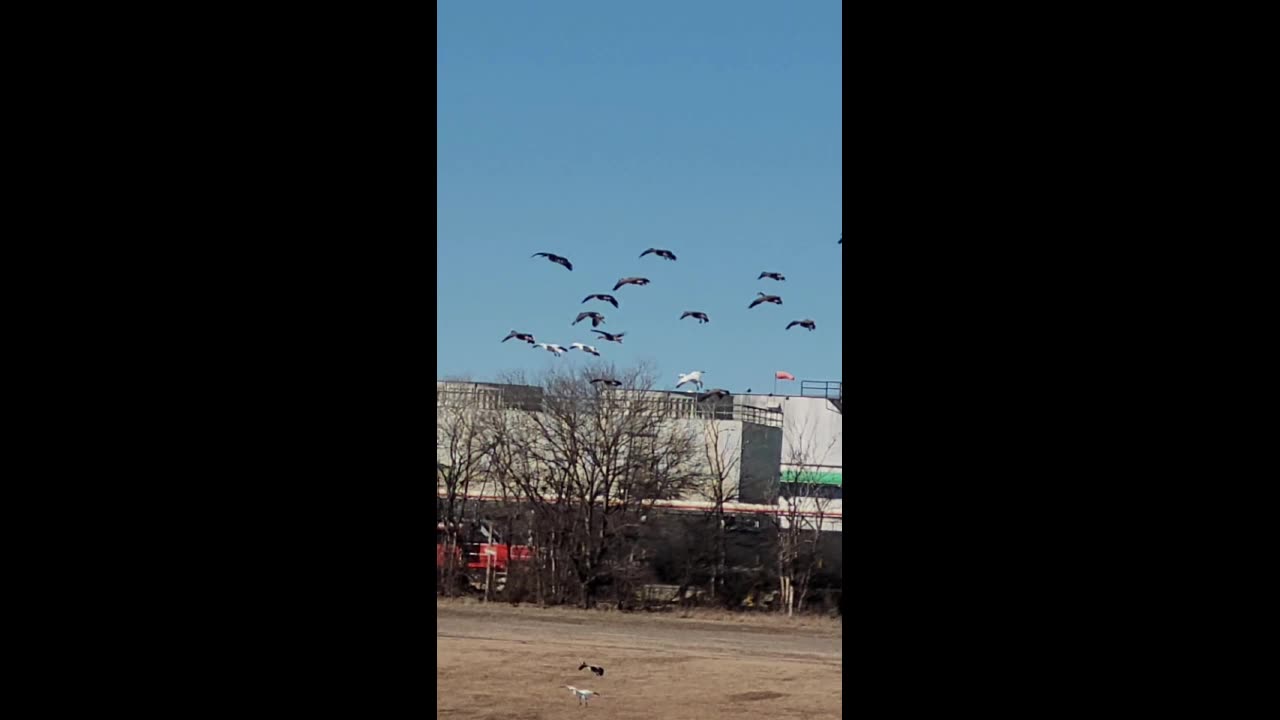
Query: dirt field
x,y
497,661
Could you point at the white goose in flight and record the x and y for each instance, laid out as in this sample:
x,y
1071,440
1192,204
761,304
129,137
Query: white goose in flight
x,y
694,377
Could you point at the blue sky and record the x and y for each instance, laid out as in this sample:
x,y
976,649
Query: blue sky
x,y
595,130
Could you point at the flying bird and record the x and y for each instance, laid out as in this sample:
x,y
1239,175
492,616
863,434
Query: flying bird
x,y
840,241
599,671
527,337
700,316
631,281
551,348
584,695
596,318
660,253
610,336
715,394
765,299
585,348
610,383
771,276
555,259
807,324
607,298
694,377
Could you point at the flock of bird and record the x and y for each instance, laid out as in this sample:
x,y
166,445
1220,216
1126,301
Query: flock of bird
x,y
597,319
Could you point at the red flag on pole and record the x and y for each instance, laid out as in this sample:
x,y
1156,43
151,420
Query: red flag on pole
x,y
783,375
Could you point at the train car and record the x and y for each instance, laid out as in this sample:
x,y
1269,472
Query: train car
x,y
479,551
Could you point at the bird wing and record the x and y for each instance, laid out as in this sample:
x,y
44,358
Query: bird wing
x,y
599,331
646,252
792,323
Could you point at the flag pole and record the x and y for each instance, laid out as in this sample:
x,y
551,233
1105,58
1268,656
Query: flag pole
x,y
775,383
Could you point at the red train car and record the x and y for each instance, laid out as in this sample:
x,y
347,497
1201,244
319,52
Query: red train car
x,y
478,549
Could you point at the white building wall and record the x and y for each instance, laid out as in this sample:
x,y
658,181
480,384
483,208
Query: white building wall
x,y
812,429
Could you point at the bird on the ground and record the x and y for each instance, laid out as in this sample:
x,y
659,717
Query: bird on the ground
x,y
551,348
631,281
585,348
807,324
607,298
555,259
596,318
694,377
527,337
715,394
771,276
700,316
660,253
765,299
584,695
594,668
611,383
611,337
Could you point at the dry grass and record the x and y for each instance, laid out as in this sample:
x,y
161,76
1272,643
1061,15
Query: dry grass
x,y
498,661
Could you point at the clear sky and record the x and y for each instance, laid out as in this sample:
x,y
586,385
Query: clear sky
x,y
595,130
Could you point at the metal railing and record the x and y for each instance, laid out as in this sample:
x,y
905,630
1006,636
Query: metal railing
x,y
829,389
672,405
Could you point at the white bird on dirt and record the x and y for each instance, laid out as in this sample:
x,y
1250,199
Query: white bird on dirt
x,y
584,696
585,348
551,348
694,377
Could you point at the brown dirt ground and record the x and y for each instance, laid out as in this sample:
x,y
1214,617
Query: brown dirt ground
x,y
497,661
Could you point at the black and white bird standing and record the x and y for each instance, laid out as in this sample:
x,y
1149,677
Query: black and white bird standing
x,y
631,281
771,276
551,348
555,259
660,253
765,299
599,671
698,315
527,337
598,296
596,318
585,348
806,324
611,337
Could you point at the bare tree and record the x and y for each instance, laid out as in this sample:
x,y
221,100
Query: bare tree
x,y
590,461
462,461
719,485
804,510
